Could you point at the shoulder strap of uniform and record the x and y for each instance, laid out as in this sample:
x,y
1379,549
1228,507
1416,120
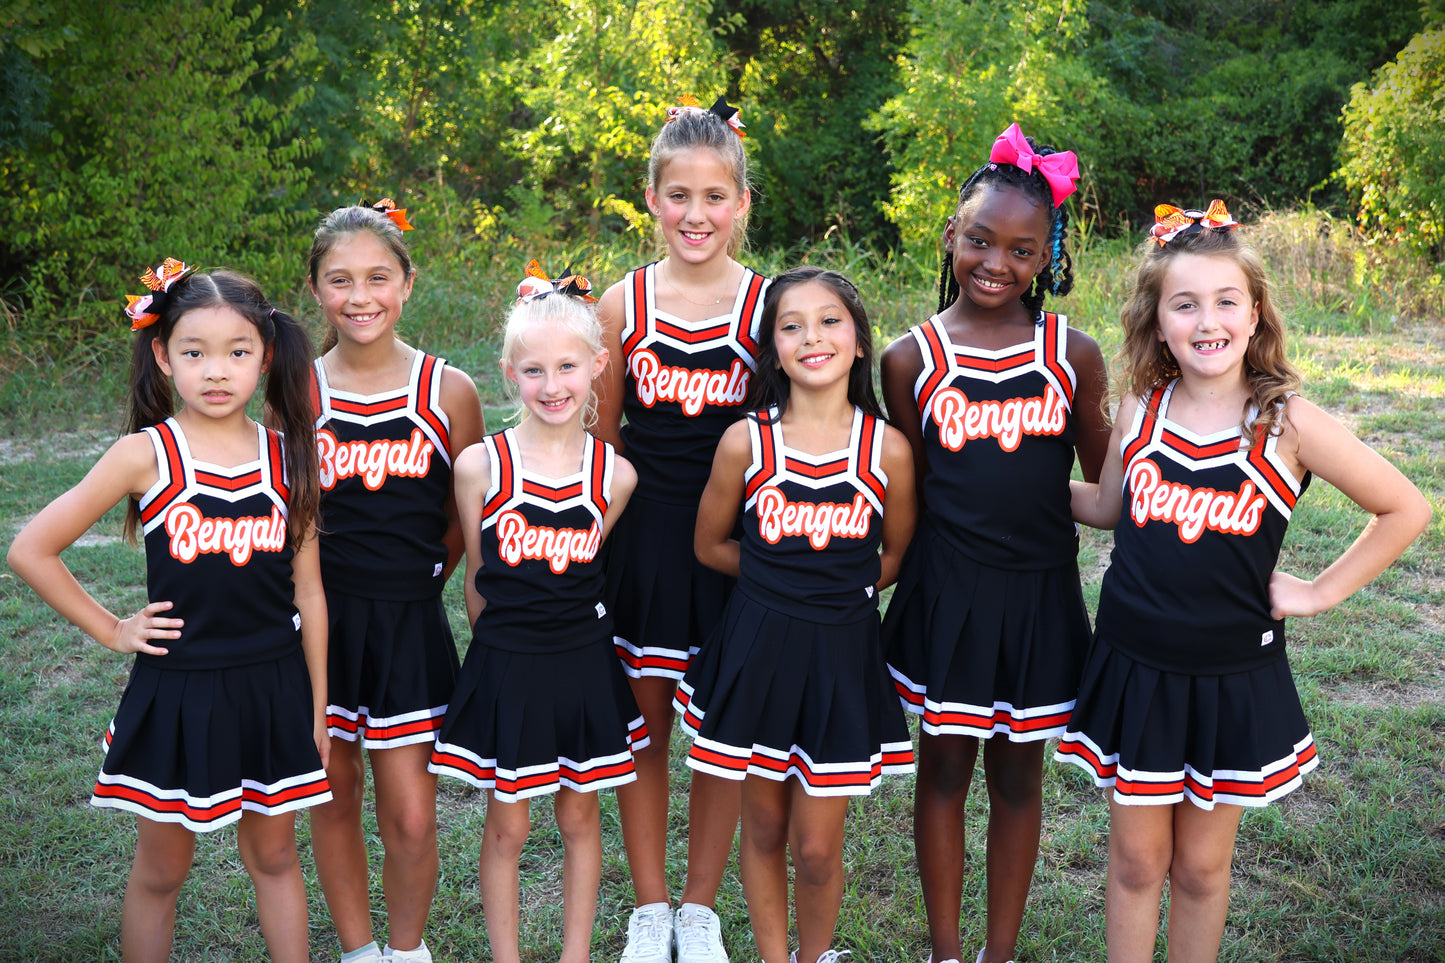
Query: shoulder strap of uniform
x,y
765,463
173,470
597,471
636,308
320,398
937,361
1053,355
750,314
504,474
1146,423
869,455
273,464
426,392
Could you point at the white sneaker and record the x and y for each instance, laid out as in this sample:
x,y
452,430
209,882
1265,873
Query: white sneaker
x,y
699,935
649,935
419,955
829,956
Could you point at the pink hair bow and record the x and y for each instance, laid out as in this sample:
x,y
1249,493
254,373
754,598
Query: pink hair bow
x,y
1060,169
144,310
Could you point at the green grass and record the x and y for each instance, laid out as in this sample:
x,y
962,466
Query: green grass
x,y
1350,867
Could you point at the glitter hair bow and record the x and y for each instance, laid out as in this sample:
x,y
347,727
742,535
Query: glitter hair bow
x,y
388,207
720,109
1171,222
536,284
144,310
1059,169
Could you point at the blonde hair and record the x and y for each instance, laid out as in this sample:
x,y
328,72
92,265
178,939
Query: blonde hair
x,y
697,130
1145,363
576,317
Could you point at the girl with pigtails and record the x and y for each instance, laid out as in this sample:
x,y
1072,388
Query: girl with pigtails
x,y
986,633
223,719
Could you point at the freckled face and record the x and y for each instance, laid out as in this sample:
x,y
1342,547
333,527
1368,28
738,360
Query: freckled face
x,y
697,204
998,242
361,288
1206,314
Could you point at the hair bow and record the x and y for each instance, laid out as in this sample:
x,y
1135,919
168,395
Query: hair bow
x,y
536,284
719,109
144,310
1059,169
388,207
1171,222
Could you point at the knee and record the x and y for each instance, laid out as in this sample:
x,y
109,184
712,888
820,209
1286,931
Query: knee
x,y
347,777
816,861
946,766
765,829
409,828
1017,782
1138,867
506,837
1198,876
272,855
160,873
579,819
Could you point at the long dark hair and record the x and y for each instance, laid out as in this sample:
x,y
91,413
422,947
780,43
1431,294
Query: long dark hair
x,y
288,382
1057,277
769,386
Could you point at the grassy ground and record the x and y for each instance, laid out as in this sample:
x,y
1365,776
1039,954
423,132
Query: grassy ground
x,y
1349,868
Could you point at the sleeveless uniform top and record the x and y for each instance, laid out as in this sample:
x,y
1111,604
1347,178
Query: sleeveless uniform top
x,y
540,573
812,524
386,474
998,431
685,384
216,546
1187,589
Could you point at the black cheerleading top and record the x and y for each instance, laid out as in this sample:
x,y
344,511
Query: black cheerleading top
x,y
386,475
998,432
1187,589
812,524
541,571
685,383
217,547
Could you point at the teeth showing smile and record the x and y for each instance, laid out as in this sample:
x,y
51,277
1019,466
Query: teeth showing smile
x,y
1210,345
815,360
694,235
990,285
363,318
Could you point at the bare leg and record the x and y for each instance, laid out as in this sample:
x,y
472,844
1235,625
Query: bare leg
x,y
763,858
945,770
713,805
268,850
340,847
579,822
503,835
406,814
1141,847
162,861
815,829
1199,880
642,804
1015,774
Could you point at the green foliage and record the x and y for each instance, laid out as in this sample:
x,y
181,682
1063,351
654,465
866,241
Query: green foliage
x,y
153,150
809,73
1394,147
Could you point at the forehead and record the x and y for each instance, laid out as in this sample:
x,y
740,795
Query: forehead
x,y
358,249
218,323
1203,272
1006,210
810,295
697,166
549,339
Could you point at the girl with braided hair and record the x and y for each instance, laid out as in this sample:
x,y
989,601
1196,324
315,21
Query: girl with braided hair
x,y
987,630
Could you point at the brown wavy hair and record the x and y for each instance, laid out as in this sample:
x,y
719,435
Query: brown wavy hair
x,y
1145,363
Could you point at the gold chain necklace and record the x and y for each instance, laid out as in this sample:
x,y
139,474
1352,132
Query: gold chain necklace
x,y
701,304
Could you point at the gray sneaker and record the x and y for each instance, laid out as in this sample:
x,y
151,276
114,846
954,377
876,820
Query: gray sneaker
x,y
699,935
649,935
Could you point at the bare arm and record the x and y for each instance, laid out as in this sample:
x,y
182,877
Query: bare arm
x,y
717,512
464,414
902,504
471,476
1328,449
1098,504
1091,421
624,480
611,386
129,467
311,605
900,366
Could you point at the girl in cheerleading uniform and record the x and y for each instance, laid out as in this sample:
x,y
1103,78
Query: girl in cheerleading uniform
x,y
790,695
682,334
389,420
223,719
1187,708
987,630
542,705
